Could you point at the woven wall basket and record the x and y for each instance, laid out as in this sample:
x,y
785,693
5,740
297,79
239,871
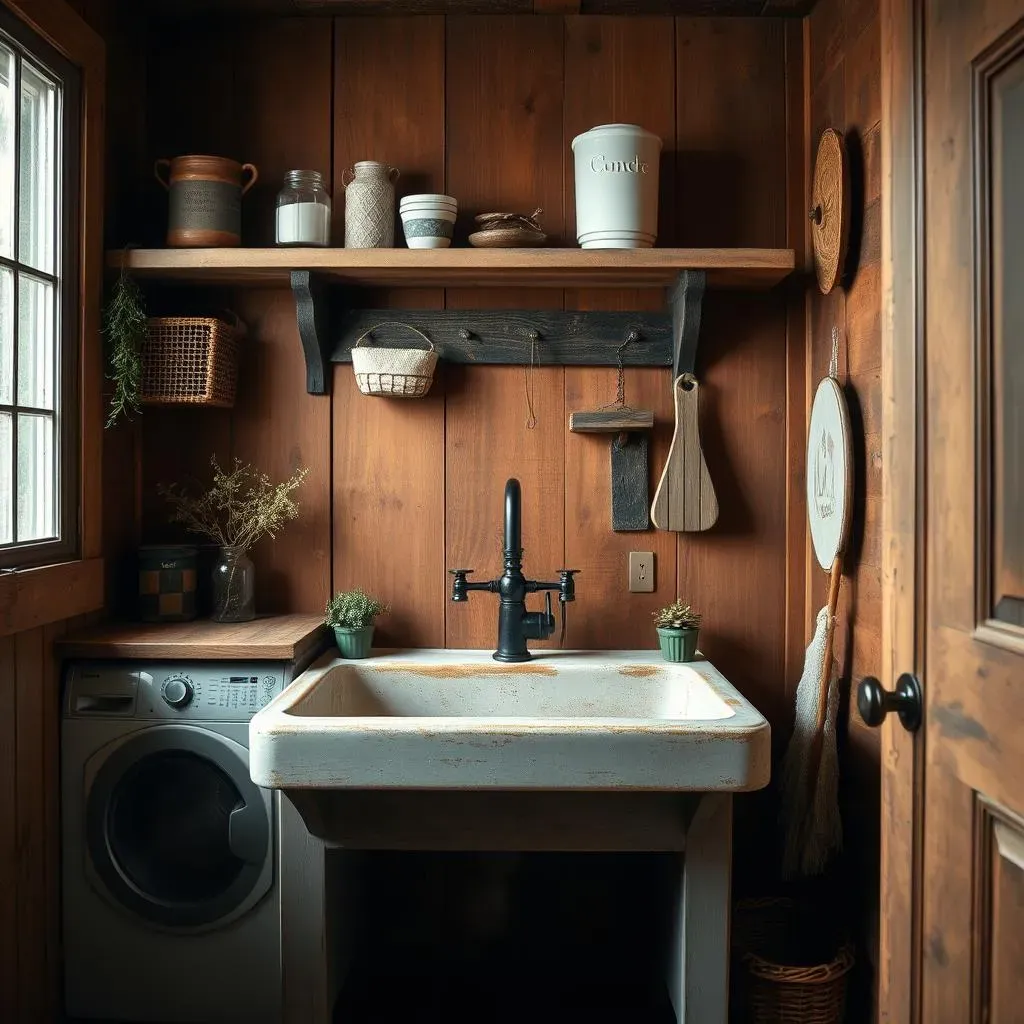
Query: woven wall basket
x,y
394,372
190,361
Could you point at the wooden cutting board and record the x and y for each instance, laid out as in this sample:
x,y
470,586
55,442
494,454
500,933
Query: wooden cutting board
x,y
685,500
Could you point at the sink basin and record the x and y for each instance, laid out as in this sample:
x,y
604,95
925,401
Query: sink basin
x,y
438,719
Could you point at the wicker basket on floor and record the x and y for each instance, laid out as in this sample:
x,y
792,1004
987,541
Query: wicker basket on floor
x,y
190,360
780,994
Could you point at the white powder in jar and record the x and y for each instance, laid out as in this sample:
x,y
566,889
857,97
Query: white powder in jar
x,y
303,224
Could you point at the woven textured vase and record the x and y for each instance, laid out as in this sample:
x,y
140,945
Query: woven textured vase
x,y
370,206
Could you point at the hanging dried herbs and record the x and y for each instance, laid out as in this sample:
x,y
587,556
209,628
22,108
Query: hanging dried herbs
x,y
124,325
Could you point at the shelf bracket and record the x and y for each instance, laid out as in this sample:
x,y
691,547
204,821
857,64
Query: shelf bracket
x,y
686,297
312,312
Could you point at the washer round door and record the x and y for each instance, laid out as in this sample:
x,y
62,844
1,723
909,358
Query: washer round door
x,y
177,831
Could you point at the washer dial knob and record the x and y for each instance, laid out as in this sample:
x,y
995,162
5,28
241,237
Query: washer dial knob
x,y
178,692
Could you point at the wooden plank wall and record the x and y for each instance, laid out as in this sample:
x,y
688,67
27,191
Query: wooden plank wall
x,y
485,108
30,824
844,60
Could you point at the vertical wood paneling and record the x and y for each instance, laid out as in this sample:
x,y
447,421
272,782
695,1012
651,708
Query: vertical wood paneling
x,y
282,91
503,115
504,81
278,428
736,572
601,87
388,465
730,131
30,826
731,176
844,69
8,833
590,545
31,693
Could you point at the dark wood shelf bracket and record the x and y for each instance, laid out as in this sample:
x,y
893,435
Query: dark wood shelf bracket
x,y
329,327
685,299
312,311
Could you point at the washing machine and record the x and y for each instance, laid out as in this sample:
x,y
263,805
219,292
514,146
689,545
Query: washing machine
x,y
171,901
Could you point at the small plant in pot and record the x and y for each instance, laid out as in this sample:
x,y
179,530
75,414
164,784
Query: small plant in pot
x,y
678,626
350,614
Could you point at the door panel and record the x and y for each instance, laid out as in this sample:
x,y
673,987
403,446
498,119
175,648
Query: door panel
x,y
1000,95
970,881
1000,940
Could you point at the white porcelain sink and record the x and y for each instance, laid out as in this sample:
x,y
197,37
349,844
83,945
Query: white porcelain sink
x,y
435,719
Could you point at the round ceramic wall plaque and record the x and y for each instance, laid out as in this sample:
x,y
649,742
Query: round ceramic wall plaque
x,y
830,207
829,472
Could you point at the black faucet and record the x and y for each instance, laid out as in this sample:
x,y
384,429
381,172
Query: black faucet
x,y
515,624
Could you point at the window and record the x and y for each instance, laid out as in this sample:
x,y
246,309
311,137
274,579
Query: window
x,y
39,325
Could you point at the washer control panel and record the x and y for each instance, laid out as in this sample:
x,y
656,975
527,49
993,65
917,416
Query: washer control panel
x,y
196,691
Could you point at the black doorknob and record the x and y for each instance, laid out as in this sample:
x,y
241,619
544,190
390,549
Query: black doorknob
x,y
874,702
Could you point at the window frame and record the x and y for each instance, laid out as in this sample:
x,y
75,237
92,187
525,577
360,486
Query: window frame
x,y
35,597
29,46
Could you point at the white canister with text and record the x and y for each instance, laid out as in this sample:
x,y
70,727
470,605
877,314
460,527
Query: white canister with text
x,y
617,187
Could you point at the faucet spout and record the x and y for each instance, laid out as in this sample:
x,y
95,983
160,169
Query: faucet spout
x,y
513,518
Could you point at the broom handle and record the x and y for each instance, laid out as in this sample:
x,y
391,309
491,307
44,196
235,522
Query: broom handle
x,y
826,671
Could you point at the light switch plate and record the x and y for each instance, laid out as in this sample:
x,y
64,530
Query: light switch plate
x,y
641,572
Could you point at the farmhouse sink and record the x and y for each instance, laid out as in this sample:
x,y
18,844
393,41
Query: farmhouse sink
x,y
457,720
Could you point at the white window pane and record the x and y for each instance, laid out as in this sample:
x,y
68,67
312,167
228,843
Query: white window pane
x,y
37,170
36,481
6,151
35,342
6,336
6,479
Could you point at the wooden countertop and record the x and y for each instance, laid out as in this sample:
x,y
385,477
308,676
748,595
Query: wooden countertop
x,y
272,637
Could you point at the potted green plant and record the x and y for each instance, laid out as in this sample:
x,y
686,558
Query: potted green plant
x,y
350,614
239,508
678,626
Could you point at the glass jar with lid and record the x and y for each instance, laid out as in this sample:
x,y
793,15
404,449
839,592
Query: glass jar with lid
x,y
303,210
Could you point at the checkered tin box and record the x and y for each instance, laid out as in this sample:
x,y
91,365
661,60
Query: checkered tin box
x,y
167,583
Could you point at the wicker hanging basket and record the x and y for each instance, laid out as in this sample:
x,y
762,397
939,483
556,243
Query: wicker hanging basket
x,y
780,994
190,360
394,372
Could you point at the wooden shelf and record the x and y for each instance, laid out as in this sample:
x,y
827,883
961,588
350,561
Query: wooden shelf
x,y
270,638
749,269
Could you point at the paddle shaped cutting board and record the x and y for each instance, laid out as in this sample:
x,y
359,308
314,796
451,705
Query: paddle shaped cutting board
x,y
685,500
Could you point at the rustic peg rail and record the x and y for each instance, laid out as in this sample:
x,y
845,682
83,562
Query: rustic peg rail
x,y
323,282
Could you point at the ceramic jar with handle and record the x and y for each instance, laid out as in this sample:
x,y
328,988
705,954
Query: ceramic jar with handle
x,y
205,199
370,206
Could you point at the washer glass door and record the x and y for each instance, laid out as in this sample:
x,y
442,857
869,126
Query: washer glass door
x,y
178,831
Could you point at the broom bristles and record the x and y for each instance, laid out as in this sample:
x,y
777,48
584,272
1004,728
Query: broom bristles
x,y
811,826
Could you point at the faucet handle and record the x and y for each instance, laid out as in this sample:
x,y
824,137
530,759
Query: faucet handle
x,y
459,584
567,590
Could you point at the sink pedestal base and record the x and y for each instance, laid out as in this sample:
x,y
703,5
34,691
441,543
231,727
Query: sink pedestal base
x,y
696,826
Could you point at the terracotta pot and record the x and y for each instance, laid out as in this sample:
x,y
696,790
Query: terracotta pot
x,y
205,207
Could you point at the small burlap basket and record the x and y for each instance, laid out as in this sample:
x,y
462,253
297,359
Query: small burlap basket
x,y
394,372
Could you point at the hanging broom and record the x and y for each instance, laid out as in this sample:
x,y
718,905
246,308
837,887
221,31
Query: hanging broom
x,y
812,828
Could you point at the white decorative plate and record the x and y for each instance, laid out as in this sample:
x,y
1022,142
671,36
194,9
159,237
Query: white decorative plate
x,y
829,472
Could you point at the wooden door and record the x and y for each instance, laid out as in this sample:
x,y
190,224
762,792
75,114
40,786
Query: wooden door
x,y
952,945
